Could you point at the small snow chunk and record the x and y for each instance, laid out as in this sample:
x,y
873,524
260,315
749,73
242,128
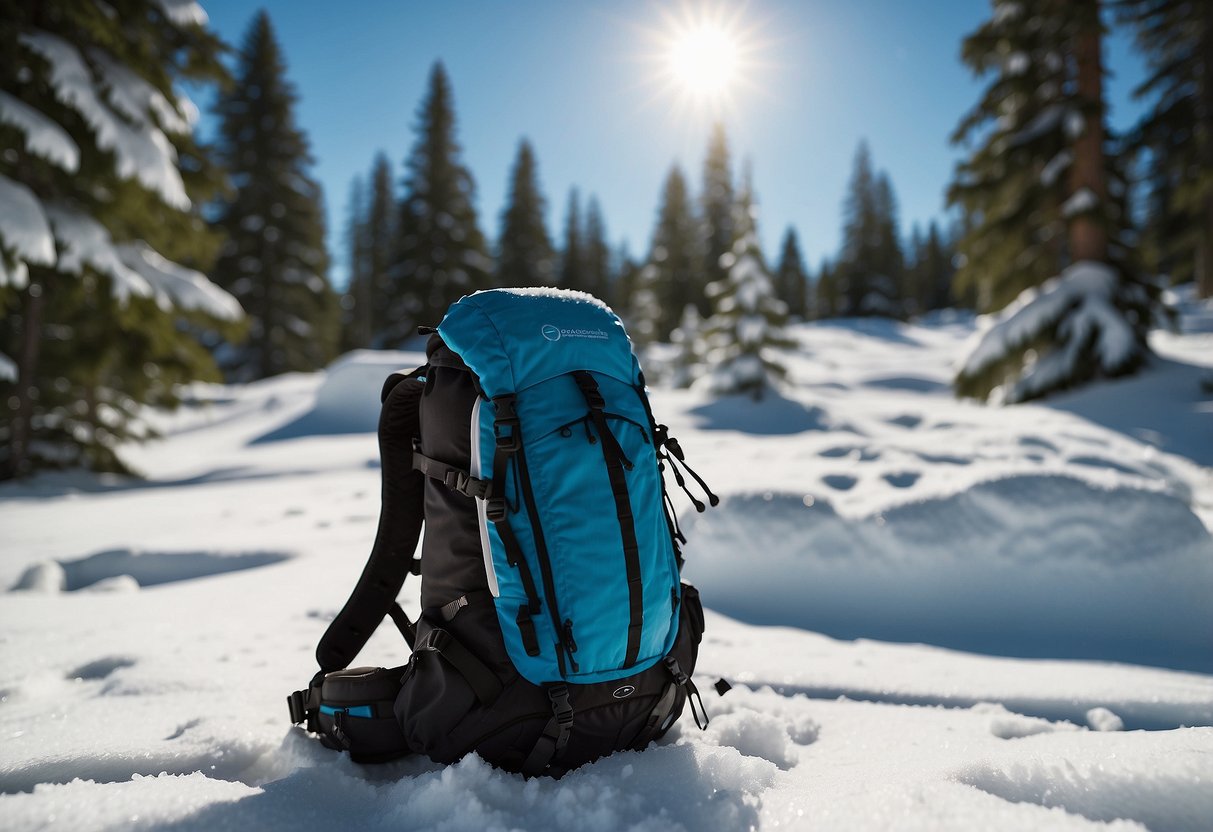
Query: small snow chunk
x,y
1080,202
755,734
8,369
1102,719
25,232
46,577
115,584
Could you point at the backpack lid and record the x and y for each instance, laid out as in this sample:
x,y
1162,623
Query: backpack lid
x,y
515,338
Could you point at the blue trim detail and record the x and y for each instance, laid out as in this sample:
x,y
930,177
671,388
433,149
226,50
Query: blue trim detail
x,y
356,710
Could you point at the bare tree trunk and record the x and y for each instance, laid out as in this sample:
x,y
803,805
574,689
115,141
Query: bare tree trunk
x,y
1087,236
1204,243
27,367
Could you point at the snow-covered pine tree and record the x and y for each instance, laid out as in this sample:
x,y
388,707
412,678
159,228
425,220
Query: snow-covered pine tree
x,y
667,282
746,328
791,281
1177,39
716,208
1047,229
274,259
442,254
686,362
524,250
99,232
597,253
572,252
868,268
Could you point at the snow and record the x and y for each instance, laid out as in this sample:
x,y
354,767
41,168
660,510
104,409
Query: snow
x,y
134,97
26,233
8,369
183,12
86,242
184,288
1056,166
43,137
152,629
1082,201
142,152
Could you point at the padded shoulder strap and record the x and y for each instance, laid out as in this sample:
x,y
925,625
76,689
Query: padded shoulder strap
x,y
400,519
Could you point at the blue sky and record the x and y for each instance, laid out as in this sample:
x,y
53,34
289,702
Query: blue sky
x,y
581,81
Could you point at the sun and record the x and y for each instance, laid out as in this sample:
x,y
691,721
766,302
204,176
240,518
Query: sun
x,y
703,60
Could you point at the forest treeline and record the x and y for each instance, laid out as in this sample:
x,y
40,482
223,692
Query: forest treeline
x,y
134,258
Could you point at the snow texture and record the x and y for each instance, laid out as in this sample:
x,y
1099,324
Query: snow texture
x,y
142,151
178,286
86,242
8,369
159,624
43,137
183,12
25,234
1080,302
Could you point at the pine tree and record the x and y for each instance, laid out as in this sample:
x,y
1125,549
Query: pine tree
x,y
442,254
791,281
524,250
100,237
597,254
1045,196
868,268
937,271
670,277
746,328
572,253
274,260
717,205
382,241
1177,39
827,293
356,302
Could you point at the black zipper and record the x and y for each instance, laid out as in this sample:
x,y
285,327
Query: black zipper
x,y
545,565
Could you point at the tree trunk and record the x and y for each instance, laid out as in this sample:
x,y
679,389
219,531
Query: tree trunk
x,y
1087,236
1204,243
27,367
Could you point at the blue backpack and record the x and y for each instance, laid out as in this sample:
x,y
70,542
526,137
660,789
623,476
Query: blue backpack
x,y
554,628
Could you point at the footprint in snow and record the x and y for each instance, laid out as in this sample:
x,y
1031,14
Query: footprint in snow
x,y
903,479
839,482
100,668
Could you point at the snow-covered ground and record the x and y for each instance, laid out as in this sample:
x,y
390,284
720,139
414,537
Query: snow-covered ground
x,y
152,629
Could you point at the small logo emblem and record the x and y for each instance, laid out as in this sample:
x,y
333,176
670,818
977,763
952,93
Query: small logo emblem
x,y
623,692
550,332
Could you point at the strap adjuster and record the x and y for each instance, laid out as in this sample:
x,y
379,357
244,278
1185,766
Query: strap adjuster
x,y
494,509
562,709
671,664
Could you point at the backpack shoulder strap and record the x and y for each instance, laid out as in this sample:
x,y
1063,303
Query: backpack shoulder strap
x,y
400,520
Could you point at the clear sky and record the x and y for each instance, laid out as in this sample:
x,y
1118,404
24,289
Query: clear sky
x,y
588,83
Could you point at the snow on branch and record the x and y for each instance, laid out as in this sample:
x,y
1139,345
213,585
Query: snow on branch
x,y
185,288
143,153
85,242
25,233
1080,306
134,97
183,12
8,370
43,137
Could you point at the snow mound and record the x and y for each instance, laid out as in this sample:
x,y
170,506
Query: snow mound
x,y
1028,565
347,400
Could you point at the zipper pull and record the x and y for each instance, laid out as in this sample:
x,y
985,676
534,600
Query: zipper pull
x,y
570,644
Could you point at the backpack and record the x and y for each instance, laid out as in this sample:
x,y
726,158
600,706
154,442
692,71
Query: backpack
x,y
555,628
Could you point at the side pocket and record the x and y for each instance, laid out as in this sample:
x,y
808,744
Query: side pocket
x,y
356,713
444,684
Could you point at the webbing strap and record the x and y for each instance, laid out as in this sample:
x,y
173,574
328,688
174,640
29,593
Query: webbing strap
x,y
496,507
407,628
555,736
454,478
616,462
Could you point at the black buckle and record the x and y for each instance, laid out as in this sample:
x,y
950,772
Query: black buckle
x,y
589,389
562,709
680,678
494,509
297,702
508,444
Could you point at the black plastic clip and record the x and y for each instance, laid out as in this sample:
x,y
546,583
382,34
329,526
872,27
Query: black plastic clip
x,y
494,509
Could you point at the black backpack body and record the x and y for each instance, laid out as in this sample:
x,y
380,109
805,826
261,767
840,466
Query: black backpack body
x,y
494,670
